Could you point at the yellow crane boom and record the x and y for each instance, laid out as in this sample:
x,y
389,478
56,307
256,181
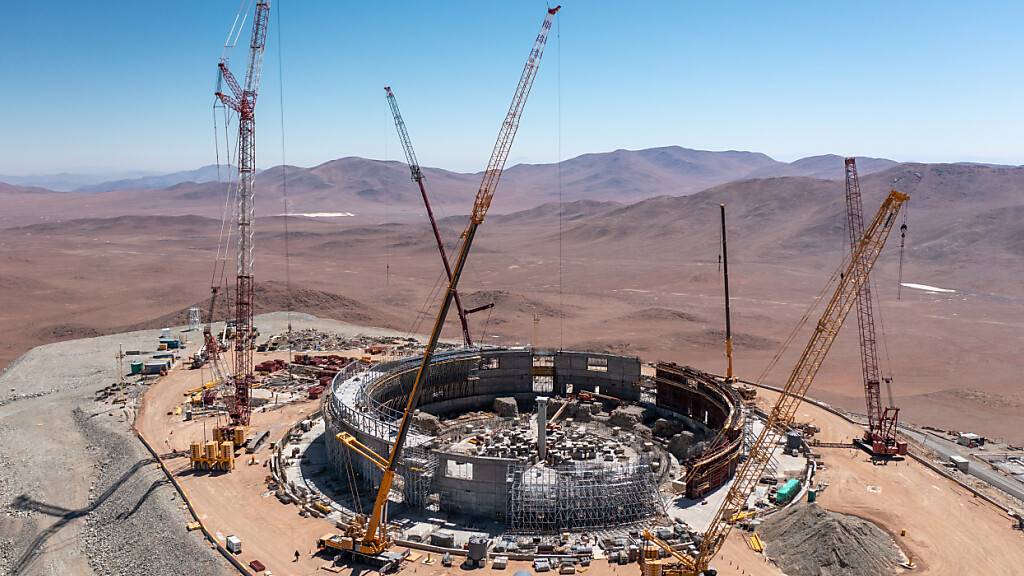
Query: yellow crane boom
x,y
372,538
782,414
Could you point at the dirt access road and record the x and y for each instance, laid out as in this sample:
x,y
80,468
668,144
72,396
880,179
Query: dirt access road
x,y
239,503
948,530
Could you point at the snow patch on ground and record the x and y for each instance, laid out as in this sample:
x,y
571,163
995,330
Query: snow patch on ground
x,y
320,214
927,288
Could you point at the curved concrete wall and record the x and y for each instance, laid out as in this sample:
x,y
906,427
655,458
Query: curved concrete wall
x,y
459,381
700,396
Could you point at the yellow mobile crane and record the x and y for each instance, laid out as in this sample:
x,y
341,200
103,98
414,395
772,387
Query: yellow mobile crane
x,y
367,539
782,414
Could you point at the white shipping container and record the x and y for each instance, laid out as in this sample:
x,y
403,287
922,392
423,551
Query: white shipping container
x,y
234,544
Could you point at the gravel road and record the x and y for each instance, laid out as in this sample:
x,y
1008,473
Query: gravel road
x,y
79,493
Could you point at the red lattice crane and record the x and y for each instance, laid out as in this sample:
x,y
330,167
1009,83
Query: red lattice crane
x,y
243,101
782,414
418,178
880,437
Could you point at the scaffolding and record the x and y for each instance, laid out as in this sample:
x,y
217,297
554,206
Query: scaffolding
x,y
418,468
581,496
195,320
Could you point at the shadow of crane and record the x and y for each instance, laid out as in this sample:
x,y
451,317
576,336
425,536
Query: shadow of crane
x,y
66,516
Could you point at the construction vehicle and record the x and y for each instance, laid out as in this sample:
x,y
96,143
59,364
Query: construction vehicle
x,y
367,540
651,561
782,414
243,101
880,437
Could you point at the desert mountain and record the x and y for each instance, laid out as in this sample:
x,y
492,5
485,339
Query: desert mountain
x,y
378,189
208,173
826,167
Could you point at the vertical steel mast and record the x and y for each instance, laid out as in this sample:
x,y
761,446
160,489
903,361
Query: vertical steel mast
x,y
729,377
243,101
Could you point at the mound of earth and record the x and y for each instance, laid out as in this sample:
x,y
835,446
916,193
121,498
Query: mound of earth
x,y
807,540
272,297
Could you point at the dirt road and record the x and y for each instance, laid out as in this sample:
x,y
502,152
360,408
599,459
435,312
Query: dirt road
x,y
948,531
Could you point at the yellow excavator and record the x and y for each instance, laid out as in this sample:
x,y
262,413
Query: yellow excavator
x,y
366,538
781,416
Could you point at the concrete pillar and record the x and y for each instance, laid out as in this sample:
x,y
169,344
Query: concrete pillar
x,y
542,426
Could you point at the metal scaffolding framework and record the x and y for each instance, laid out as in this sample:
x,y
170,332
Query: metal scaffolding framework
x,y
581,496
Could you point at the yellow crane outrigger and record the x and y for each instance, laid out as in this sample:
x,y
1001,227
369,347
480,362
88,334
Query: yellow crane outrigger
x,y
781,415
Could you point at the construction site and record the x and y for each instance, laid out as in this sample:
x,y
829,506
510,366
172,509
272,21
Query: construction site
x,y
300,446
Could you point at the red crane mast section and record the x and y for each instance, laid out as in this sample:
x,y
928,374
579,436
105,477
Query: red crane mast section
x,y
243,102
882,423
418,178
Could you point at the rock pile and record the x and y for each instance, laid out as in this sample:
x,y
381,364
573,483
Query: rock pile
x,y
506,407
807,540
134,523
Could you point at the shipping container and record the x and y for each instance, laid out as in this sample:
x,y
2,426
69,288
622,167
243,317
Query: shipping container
x,y
788,491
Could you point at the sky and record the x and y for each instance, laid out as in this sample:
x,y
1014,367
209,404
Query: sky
x,y
127,86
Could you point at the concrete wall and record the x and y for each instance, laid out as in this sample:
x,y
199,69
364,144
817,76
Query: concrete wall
x,y
484,496
693,393
467,380
621,378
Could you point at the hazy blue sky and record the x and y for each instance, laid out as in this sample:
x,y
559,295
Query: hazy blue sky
x,y
118,85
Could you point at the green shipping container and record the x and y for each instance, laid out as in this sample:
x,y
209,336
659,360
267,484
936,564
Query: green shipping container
x,y
788,491
136,367
812,495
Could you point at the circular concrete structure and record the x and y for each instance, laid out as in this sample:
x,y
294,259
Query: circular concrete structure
x,y
463,459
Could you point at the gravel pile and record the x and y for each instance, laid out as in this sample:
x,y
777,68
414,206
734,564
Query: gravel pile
x,y
807,540
135,523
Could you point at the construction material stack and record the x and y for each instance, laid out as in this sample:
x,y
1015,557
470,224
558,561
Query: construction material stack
x,y
214,456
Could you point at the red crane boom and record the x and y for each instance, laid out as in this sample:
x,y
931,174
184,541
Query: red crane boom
x,y
418,178
243,101
882,423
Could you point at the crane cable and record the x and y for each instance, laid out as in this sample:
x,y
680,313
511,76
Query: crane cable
x,y
878,306
289,303
561,203
803,320
903,240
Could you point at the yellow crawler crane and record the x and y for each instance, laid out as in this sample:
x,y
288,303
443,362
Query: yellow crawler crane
x,y
782,414
367,539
